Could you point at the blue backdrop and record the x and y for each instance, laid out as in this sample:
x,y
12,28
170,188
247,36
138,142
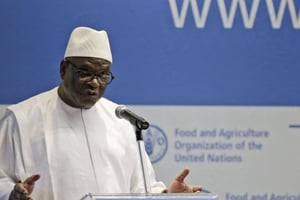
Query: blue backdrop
x,y
205,52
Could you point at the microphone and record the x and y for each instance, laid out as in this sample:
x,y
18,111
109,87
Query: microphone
x,y
123,113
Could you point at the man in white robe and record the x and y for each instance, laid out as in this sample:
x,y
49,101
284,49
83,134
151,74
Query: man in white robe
x,y
66,142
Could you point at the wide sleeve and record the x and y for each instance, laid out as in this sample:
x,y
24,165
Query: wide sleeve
x,y
137,183
9,142
156,186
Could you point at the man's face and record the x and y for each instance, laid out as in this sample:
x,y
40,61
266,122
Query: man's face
x,y
84,80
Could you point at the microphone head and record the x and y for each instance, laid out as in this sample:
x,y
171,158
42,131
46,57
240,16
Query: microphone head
x,y
123,113
119,110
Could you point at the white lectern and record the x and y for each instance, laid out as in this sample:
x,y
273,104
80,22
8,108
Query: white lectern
x,y
163,196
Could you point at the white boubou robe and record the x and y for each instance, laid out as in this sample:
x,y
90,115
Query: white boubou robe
x,y
76,151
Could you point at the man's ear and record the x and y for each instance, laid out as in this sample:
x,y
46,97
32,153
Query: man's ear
x,y
63,67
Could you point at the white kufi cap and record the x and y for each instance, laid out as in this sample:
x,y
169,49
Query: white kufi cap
x,y
87,42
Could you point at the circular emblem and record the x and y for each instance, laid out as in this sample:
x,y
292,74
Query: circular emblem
x,y
156,143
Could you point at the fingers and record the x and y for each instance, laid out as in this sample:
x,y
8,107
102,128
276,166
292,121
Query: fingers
x,y
196,188
32,179
22,190
187,188
29,183
180,177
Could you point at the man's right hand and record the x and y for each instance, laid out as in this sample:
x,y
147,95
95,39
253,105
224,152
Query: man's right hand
x,y
23,190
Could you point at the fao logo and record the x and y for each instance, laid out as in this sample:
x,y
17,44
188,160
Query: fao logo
x,y
156,143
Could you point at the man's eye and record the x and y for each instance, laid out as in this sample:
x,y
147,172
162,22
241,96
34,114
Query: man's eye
x,y
105,73
83,74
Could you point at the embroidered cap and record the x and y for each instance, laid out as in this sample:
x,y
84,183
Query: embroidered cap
x,y
87,42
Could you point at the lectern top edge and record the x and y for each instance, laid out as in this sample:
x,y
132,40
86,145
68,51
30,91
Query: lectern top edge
x,y
156,196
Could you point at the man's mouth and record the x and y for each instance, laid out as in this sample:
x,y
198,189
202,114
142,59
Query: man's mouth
x,y
92,93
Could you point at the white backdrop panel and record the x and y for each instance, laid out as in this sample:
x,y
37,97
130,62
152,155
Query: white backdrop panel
x,y
238,152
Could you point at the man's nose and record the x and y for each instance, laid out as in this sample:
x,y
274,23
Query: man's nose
x,y
95,81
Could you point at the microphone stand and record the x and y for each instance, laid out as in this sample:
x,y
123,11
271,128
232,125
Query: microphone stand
x,y
139,138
